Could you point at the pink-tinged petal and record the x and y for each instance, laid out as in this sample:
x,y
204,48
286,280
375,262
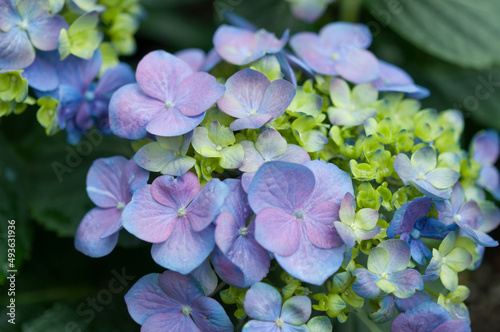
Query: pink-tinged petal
x,y
347,211
404,168
424,317
454,326
185,249
310,263
226,231
89,237
175,192
479,237
251,122
296,310
331,183
113,79
257,325
209,315
393,78
470,215
365,284
319,223
104,181
367,235
277,231
232,107
267,43
344,35
130,110
489,179
413,301
147,219
310,48
44,32
228,271
236,202
16,51
399,253
212,59
146,298
309,11
262,302
277,97
207,204
252,158
246,180
247,87
280,184
159,74
197,93
359,66
133,177
457,196
206,277
194,57
167,321
235,45
407,282
294,154
346,234
173,123
485,147
182,288
445,211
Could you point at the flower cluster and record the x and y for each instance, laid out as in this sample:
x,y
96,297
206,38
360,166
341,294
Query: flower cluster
x,y
277,183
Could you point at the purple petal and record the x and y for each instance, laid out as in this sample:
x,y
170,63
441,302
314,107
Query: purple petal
x,y
405,217
42,74
359,66
257,325
458,197
310,48
346,234
130,110
194,57
95,223
308,11
399,252
277,231
479,237
185,249
331,182
227,271
342,35
277,97
406,282
132,178
445,211
182,288
197,93
159,74
113,79
78,72
489,179
393,78
252,158
16,51
175,192
237,202
310,263
485,147
251,122
432,228
226,231
430,191
365,284
491,216
454,326
319,224
235,44
262,302
44,32
280,184
168,321
104,181
205,207
267,43
206,277
146,298
413,301
173,123
9,17
424,317
470,215
296,310
404,168
294,154
147,219
209,315
213,58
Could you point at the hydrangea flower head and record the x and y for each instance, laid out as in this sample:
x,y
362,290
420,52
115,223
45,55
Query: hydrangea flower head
x,y
351,108
263,305
174,302
485,149
269,146
176,216
238,259
169,99
354,226
254,100
110,185
339,49
466,214
410,221
296,207
241,46
421,172
428,316
24,26
387,272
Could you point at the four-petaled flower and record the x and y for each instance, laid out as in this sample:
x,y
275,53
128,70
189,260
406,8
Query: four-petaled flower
x,y
169,99
263,304
176,216
176,303
110,185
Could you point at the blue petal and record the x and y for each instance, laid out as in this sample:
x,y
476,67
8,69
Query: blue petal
x,y
263,302
424,317
365,284
16,51
209,315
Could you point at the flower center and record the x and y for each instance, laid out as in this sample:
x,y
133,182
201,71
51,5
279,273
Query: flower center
x,y
218,148
120,206
279,322
421,176
89,96
243,231
299,215
169,104
384,275
186,310
334,56
457,218
181,212
252,112
415,233
23,25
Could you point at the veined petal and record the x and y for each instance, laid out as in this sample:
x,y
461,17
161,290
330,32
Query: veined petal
x,y
209,315
358,66
182,288
319,224
343,34
175,322
442,178
235,45
44,32
270,144
406,283
310,48
16,51
277,97
250,122
485,147
260,326
277,231
207,204
206,276
424,159
424,317
296,310
365,284
197,93
104,181
175,192
346,234
399,252
404,168
263,302
173,123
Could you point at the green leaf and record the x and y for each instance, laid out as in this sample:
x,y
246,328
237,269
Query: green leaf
x,y
459,31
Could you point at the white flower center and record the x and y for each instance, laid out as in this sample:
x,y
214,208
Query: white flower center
x,y
279,322
181,212
243,231
186,310
120,206
299,215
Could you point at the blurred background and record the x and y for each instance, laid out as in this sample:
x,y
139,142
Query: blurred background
x,y
449,46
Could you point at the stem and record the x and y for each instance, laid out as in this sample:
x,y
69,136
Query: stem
x,y
368,323
349,10
219,287
430,291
